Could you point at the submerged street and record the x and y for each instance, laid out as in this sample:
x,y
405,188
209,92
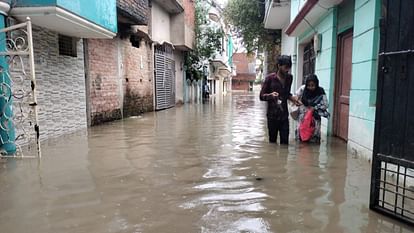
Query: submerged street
x,y
195,168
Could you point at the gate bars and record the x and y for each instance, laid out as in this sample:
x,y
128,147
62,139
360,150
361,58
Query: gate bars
x,y
22,91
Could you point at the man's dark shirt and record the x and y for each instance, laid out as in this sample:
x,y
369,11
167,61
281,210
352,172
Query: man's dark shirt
x,y
273,84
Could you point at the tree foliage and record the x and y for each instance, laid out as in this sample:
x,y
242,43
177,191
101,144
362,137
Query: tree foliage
x,y
246,18
208,41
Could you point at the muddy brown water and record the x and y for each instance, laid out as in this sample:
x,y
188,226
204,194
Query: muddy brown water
x,y
196,168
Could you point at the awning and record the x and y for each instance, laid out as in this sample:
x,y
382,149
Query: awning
x,y
62,21
310,13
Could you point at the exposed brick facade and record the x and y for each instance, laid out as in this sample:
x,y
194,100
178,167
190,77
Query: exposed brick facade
x,y
138,83
242,61
241,82
189,12
245,74
134,10
120,79
104,90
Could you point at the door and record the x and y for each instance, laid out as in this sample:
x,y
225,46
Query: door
x,y
343,85
393,155
164,77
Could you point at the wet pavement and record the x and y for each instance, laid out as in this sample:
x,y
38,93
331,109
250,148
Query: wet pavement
x,y
195,168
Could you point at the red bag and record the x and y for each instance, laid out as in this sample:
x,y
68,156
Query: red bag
x,y
307,127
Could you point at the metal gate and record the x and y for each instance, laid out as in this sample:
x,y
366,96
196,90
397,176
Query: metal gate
x,y
392,179
19,88
164,77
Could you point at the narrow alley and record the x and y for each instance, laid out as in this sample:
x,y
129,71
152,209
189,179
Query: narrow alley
x,y
195,168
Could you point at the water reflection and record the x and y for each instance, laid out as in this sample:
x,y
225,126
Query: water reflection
x,y
196,168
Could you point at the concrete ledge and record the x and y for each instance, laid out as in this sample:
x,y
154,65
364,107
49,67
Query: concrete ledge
x,y
357,150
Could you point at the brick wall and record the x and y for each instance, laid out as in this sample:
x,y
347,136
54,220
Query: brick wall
x,y
189,12
60,84
244,76
120,76
103,81
242,61
241,81
135,10
137,76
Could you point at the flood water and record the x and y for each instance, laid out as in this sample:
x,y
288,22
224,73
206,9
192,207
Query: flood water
x,y
195,168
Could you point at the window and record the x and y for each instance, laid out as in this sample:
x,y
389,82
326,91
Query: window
x,y
67,46
135,41
308,60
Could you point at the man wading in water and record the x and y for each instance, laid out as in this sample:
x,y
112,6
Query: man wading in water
x,y
276,91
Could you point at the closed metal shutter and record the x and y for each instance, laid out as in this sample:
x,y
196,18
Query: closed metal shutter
x,y
164,77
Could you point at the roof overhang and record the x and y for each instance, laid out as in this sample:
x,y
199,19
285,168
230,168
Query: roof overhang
x,y
141,31
277,14
221,68
310,13
184,48
218,63
62,21
224,72
171,6
164,42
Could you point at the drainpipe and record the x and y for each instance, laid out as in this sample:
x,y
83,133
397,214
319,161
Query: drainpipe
x,y
7,131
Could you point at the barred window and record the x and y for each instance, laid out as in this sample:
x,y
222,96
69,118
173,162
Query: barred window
x,y
67,46
309,59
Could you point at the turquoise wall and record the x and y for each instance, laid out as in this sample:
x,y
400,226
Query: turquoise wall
x,y
363,17
100,12
325,60
364,73
346,16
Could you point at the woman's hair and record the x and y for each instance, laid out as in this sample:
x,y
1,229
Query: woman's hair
x,y
312,78
308,95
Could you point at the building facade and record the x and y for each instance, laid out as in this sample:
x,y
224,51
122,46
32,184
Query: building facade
x,y
59,31
220,70
338,41
119,73
173,35
246,72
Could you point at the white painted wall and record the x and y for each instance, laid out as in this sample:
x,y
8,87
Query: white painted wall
x,y
288,44
179,76
160,24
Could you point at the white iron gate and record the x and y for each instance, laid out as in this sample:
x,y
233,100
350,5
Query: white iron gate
x,y
21,92
164,77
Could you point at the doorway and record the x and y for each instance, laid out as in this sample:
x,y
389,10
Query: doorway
x,y
343,85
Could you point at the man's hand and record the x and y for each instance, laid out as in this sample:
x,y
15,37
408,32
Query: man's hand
x,y
274,94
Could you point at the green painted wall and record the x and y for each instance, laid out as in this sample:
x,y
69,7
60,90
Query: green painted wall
x,y
325,60
364,74
346,16
363,17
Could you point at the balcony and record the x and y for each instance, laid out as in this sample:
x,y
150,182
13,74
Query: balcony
x,y
221,66
182,34
77,18
171,6
277,14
